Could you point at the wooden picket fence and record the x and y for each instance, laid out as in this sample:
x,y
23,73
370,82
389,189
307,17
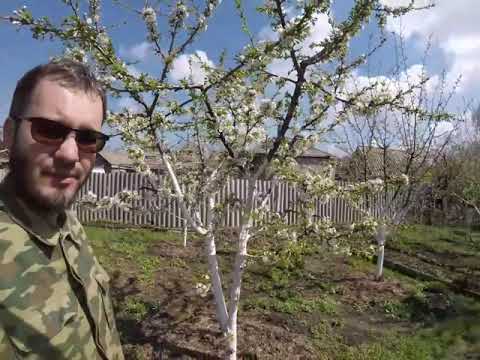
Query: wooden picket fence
x,y
282,199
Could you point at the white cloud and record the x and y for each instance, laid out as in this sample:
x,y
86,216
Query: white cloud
x,y
319,32
453,26
396,123
378,85
136,52
191,66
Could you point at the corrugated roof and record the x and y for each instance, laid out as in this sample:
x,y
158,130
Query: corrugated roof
x,y
116,158
375,160
121,159
312,152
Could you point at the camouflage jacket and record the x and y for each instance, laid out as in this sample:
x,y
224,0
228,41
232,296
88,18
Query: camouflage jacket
x,y
54,295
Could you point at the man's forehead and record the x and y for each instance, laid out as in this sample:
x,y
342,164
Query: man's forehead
x,y
51,99
55,84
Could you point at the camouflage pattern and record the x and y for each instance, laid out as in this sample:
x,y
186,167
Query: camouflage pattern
x,y
54,295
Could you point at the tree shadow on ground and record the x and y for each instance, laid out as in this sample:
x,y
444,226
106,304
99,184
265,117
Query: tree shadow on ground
x,y
173,313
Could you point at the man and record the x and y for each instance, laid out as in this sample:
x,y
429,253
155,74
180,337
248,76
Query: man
x,y
54,295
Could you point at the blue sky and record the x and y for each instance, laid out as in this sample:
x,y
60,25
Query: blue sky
x,y
453,26
20,52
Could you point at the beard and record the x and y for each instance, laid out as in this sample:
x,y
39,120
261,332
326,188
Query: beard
x,y
22,172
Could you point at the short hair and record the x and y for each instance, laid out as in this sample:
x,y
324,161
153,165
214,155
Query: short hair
x,y
68,73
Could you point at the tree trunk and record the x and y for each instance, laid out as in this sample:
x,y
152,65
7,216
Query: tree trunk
x,y
234,299
185,232
381,234
239,267
220,305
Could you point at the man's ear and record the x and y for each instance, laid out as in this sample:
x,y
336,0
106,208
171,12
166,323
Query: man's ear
x,y
9,133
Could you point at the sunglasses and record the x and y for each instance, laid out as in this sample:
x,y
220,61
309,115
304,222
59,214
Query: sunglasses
x,y
51,132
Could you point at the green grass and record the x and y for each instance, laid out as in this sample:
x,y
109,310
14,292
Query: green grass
x,y
129,241
390,347
438,239
449,342
393,347
137,308
292,305
330,345
134,308
131,245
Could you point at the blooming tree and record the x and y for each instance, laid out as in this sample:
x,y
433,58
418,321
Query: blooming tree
x,y
280,92
395,149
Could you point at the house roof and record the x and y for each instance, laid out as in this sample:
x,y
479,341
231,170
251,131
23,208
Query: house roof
x,y
116,158
312,152
120,159
371,162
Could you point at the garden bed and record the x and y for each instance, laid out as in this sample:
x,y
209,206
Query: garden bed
x,y
314,305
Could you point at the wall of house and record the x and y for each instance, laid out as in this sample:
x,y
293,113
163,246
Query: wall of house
x,y
315,164
101,166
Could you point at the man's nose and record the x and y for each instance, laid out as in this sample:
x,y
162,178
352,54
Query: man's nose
x,y
68,150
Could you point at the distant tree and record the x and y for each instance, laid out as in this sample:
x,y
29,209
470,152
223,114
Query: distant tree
x,y
399,148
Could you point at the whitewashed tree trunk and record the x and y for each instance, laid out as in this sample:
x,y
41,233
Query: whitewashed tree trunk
x,y
185,232
213,268
227,318
238,268
219,297
195,220
381,237
234,299
185,229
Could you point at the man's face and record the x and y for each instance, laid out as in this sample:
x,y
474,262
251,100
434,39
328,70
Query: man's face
x,y
46,174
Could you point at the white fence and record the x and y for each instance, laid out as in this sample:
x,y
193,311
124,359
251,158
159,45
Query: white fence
x,y
281,199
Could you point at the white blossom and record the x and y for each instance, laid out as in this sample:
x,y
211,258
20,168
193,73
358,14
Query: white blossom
x,y
202,289
150,18
90,196
267,107
103,39
404,180
149,15
179,13
375,184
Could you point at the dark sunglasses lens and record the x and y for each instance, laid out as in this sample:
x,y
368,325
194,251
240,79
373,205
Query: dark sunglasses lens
x,y
90,141
49,132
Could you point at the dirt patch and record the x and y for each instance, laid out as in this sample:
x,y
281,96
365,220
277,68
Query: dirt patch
x,y
359,290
